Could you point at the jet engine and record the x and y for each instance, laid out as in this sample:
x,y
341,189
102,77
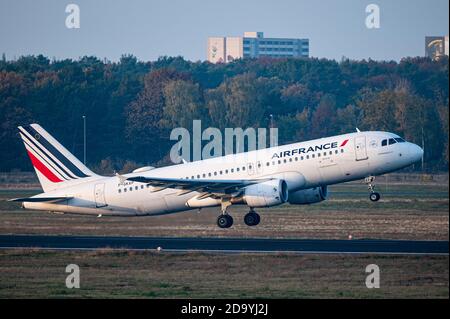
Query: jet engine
x,y
308,196
266,194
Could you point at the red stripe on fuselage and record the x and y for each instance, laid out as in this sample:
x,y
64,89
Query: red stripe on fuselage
x,y
43,169
343,143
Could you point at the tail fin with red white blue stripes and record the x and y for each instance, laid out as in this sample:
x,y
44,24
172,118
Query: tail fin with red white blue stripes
x,y
53,163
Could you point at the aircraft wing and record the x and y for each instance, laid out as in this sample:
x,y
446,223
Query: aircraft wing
x,y
39,199
217,187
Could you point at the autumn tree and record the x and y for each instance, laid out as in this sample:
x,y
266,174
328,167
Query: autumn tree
x,y
324,117
183,104
144,126
378,110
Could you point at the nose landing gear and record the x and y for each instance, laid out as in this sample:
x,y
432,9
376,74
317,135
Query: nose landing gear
x,y
373,196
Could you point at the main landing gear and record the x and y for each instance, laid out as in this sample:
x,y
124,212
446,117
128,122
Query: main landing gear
x,y
226,221
252,218
373,196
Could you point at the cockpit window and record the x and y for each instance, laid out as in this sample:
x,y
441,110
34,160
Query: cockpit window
x,y
400,140
392,141
383,142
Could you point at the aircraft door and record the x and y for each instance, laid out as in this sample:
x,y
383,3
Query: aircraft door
x,y
99,194
360,148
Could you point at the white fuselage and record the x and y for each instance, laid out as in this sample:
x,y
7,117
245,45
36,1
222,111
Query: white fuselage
x,y
303,165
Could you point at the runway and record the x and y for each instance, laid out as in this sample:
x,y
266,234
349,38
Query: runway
x,y
230,245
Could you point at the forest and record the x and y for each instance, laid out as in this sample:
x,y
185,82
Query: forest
x,y
131,106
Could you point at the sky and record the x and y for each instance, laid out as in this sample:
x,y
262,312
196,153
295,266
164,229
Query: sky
x,y
149,29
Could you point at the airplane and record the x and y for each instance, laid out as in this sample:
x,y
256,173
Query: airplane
x,y
296,174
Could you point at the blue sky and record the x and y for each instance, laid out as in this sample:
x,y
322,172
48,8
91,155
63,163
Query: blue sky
x,y
153,28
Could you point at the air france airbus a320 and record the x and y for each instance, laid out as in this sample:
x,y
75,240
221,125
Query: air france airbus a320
x,y
296,174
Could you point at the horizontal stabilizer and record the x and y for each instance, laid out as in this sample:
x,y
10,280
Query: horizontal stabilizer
x,y
39,199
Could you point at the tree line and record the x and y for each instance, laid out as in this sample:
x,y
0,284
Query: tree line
x,y
131,106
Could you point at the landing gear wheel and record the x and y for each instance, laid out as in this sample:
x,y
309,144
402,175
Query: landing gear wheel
x,y
224,221
375,197
252,219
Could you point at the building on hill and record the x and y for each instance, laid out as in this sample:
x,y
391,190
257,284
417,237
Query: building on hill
x,y
254,45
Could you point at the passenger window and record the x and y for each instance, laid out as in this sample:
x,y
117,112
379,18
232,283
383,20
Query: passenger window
x,y
209,174
267,164
285,161
237,169
296,159
131,188
384,143
215,173
120,191
124,190
142,186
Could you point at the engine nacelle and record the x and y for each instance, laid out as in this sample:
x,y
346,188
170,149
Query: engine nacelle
x,y
308,196
266,194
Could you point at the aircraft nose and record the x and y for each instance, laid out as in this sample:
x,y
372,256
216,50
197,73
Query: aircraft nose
x,y
416,152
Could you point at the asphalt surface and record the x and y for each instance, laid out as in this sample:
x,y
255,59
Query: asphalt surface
x,y
227,244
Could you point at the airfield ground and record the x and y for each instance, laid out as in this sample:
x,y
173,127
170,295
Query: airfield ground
x,y
404,212
416,210
130,274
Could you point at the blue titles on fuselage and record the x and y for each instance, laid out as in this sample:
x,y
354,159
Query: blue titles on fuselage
x,y
302,150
